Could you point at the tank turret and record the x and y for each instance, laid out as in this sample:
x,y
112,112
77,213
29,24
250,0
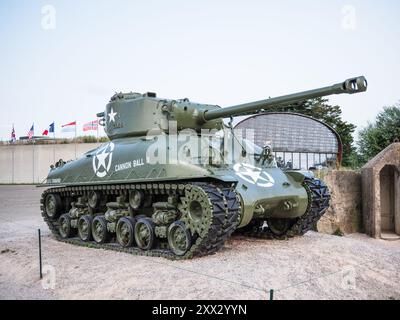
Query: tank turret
x,y
134,114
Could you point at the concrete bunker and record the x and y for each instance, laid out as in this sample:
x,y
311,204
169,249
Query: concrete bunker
x,y
381,194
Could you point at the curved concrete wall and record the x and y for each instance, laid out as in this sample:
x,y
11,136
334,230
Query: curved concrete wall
x,y
31,163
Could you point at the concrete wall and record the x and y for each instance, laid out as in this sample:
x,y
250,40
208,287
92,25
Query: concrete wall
x,y
397,202
345,212
31,163
371,201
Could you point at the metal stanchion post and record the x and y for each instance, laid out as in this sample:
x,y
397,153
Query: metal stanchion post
x,y
40,255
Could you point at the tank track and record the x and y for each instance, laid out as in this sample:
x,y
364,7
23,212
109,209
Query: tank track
x,y
225,203
319,199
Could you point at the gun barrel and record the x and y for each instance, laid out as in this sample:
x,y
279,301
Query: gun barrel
x,y
350,86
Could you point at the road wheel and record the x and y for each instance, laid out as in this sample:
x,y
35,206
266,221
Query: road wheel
x,y
65,228
179,238
144,233
125,231
85,227
99,229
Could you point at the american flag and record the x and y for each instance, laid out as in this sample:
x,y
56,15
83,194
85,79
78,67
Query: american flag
x,y
92,125
31,133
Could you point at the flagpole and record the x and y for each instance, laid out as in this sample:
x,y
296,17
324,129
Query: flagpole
x,y
54,143
33,155
13,157
13,175
75,138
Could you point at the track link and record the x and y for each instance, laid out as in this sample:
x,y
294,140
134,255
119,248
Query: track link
x,y
222,198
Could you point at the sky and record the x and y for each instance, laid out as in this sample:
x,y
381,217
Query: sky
x,y
62,60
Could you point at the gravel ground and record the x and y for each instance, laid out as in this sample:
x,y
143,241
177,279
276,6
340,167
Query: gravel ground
x,y
315,266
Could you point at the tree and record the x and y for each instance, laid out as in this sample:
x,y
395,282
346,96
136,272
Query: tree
x,y
377,136
332,115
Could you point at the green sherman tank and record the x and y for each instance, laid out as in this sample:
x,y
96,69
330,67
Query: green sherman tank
x,y
176,181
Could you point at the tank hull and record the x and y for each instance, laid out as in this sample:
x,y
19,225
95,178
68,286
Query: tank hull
x,y
264,192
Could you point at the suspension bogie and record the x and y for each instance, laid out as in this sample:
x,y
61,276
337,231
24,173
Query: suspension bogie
x,y
155,219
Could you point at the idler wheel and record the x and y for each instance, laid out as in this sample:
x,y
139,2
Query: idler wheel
x,y
279,227
125,231
144,233
179,238
85,227
99,229
65,227
53,205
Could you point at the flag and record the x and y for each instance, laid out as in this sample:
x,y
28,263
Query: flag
x,y
50,130
13,137
92,125
31,133
69,127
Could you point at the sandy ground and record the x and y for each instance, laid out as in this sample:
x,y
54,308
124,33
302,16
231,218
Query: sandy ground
x,y
315,266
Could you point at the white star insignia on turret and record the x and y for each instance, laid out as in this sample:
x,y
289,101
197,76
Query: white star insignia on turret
x,y
111,115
